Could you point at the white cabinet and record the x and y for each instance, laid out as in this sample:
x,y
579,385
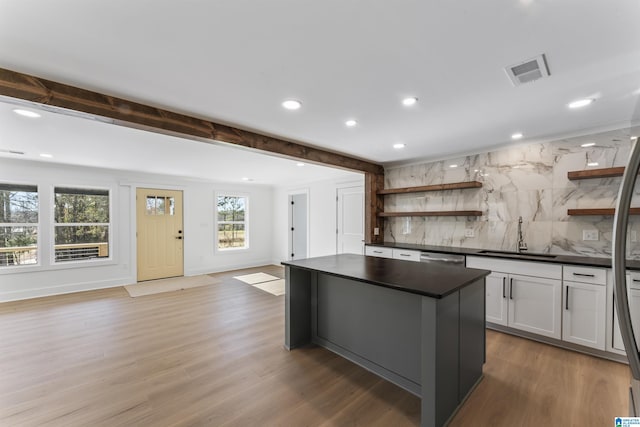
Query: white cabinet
x,y
496,299
518,299
584,306
378,251
534,305
406,254
633,294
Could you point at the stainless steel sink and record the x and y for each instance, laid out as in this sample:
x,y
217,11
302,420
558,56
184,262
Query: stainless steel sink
x,y
518,255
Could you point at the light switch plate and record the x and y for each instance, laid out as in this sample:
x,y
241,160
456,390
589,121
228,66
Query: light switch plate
x,y
590,235
468,232
376,231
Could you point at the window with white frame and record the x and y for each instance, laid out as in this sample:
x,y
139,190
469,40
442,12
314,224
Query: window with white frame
x,y
18,224
81,223
232,230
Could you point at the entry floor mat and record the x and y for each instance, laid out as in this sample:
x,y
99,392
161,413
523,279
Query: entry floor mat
x,y
274,287
254,278
171,284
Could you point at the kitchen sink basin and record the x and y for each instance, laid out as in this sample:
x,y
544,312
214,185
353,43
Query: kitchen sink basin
x,y
524,255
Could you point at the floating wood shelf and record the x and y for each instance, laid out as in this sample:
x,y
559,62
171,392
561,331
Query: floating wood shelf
x,y
595,173
605,211
435,187
431,213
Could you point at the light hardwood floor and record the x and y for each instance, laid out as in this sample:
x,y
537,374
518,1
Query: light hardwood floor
x,y
213,356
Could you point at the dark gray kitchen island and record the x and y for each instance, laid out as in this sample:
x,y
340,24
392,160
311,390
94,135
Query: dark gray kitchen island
x,y
420,326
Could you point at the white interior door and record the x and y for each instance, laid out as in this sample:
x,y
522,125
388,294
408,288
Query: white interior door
x,y
298,227
351,220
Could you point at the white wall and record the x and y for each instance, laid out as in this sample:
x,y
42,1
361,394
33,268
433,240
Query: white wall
x,y
322,216
199,224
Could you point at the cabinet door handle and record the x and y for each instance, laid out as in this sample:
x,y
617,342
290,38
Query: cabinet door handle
x,y
635,280
511,288
405,254
584,275
504,282
566,298
377,252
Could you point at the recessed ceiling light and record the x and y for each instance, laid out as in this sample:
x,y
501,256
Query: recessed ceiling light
x,y
351,123
580,103
592,164
588,144
46,155
634,138
399,145
453,166
299,164
409,101
244,178
292,104
517,135
26,113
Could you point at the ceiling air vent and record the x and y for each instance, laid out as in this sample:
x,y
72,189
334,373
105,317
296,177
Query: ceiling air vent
x,y
2,150
528,71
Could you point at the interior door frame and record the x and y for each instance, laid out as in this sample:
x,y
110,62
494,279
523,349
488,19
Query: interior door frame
x,y
290,193
133,222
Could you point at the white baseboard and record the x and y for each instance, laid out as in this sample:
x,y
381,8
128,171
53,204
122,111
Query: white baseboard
x,y
64,289
227,267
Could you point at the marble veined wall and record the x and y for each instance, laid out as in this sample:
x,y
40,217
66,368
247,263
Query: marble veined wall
x,y
523,180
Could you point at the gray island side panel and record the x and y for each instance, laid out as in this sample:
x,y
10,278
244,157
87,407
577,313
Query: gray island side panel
x,y
376,323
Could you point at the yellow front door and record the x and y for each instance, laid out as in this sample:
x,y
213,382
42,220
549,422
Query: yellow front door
x,y
160,233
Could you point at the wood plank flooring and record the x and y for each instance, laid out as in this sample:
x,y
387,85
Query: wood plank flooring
x,y
213,356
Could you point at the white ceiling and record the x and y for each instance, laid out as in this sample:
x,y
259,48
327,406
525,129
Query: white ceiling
x,y
235,61
80,141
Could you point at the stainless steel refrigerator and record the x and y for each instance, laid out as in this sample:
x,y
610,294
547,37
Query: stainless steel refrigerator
x,y
626,311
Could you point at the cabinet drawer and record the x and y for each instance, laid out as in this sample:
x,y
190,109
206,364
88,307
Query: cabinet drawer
x,y
633,279
407,255
379,251
526,268
595,276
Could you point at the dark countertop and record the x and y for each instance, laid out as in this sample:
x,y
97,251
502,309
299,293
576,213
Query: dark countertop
x,y
432,280
559,259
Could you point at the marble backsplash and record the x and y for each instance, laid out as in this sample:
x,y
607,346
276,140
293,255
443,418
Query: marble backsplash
x,y
525,180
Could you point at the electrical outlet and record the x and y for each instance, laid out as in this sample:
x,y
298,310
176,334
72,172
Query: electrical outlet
x,y
634,236
468,232
590,235
376,231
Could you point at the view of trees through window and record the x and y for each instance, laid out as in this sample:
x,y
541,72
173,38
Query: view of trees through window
x,y
232,231
81,224
18,224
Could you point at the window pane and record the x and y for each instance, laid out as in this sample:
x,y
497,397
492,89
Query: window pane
x,y
18,204
160,206
18,245
151,205
72,207
81,242
172,206
231,236
231,208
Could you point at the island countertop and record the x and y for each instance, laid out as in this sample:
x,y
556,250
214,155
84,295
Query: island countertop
x,y
432,280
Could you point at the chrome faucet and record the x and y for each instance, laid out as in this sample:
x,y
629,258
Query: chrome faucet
x,y
522,246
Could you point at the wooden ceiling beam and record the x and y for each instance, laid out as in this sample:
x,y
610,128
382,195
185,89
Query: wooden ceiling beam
x,y
133,114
